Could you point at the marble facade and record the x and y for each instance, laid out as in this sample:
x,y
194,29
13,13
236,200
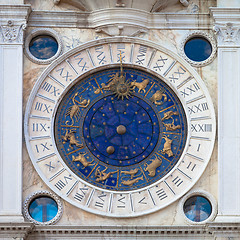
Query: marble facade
x,y
166,23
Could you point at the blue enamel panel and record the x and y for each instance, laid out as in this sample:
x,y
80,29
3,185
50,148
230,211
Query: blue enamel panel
x,y
87,131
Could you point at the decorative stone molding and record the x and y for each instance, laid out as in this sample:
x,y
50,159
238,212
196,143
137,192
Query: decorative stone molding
x,y
229,231
120,16
121,30
202,193
37,232
75,3
42,31
205,35
31,197
227,34
119,232
15,230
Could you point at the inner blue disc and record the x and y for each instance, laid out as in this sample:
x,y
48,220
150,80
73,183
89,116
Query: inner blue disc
x,y
137,139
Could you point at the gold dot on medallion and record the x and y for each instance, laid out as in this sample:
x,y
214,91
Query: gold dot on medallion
x,y
78,165
126,148
143,147
93,126
104,123
137,101
147,108
126,157
128,161
110,150
112,98
154,123
135,112
101,108
100,131
98,156
143,156
136,138
105,140
124,113
87,136
144,114
134,145
85,171
151,144
149,120
148,137
94,109
139,121
134,152
127,104
103,114
117,110
110,109
93,117
153,132
105,99
113,181
120,161
97,145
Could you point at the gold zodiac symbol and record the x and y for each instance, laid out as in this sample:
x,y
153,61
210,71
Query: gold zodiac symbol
x,y
140,85
168,115
69,136
74,111
101,175
131,182
157,97
114,79
151,168
131,172
80,158
167,147
171,126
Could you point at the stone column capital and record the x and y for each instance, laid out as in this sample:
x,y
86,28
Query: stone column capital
x,y
226,26
227,34
13,21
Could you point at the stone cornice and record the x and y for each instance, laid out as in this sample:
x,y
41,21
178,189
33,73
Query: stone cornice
x,y
31,231
225,15
119,16
15,230
17,13
228,230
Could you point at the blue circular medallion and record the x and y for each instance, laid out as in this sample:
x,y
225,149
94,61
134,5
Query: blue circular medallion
x,y
120,130
121,133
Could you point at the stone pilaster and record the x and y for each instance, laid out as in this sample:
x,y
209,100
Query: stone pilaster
x,y
227,27
13,21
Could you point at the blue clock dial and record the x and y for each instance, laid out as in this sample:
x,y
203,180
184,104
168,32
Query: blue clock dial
x,y
120,130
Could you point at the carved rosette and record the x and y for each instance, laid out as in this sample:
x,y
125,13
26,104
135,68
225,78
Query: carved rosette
x,y
11,33
227,34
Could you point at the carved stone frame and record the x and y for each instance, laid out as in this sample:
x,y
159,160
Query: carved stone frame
x,y
207,36
42,31
201,193
34,195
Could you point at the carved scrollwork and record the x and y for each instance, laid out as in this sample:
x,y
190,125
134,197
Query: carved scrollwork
x,y
227,34
11,33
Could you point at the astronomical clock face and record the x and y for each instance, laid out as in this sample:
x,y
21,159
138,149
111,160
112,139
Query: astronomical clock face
x,y
120,128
